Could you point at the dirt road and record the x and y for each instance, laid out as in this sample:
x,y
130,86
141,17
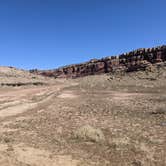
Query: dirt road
x,y
13,103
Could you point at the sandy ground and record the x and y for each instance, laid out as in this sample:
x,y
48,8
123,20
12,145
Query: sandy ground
x,y
14,102
37,123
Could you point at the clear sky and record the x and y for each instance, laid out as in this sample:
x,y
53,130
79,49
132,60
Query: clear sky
x,y
51,33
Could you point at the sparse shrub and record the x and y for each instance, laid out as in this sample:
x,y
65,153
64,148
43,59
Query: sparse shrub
x,y
94,82
89,133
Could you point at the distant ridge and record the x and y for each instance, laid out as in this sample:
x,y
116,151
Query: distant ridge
x,y
131,61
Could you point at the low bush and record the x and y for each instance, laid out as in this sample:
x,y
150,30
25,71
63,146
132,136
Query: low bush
x,y
89,133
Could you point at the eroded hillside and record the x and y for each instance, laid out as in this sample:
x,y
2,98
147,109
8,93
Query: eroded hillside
x,y
113,119
132,61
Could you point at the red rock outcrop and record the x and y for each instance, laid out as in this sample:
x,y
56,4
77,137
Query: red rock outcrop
x,y
132,61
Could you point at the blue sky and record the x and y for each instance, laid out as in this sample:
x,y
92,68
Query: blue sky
x,y
47,34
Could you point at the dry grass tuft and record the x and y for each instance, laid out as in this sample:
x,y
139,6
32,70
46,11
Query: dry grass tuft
x,y
89,133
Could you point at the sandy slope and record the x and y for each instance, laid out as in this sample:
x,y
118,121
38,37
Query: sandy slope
x,y
38,123
14,75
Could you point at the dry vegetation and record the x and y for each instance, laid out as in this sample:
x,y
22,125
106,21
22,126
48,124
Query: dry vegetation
x,y
105,120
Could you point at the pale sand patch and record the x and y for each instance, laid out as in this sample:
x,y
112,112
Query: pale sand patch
x,y
6,123
17,109
67,94
22,107
2,130
40,111
125,96
22,118
3,147
39,157
11,103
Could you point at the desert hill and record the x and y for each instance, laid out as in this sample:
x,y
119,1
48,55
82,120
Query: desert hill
x,y
108,118
11,76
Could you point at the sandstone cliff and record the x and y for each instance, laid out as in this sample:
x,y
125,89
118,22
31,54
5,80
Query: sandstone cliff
x,y
132,61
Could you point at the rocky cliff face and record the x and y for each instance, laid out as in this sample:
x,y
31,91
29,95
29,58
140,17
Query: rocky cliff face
x,y
132,61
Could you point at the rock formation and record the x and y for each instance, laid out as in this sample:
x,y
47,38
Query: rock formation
x,y
132,61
